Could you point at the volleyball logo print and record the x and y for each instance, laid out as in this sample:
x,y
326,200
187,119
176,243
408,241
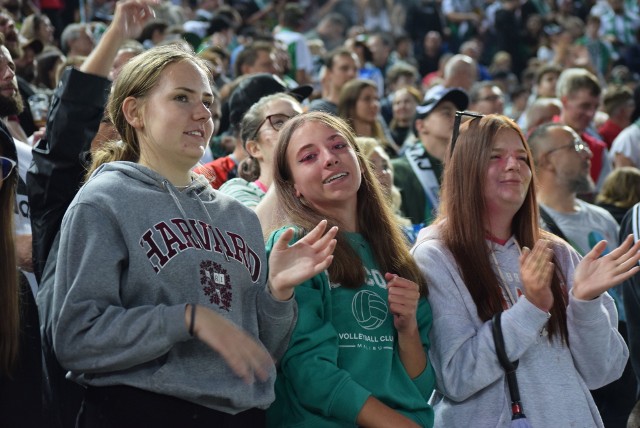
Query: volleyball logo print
x,y
369,309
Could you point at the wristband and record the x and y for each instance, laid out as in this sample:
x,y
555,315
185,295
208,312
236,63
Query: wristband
x,y
193,319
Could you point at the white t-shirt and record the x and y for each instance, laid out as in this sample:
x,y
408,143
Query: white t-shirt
x,y
303,58
627,143
587,226
22,217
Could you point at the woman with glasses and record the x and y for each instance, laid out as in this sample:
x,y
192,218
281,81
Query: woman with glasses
x,y
20,352
357,356
259,133
163,306
486,254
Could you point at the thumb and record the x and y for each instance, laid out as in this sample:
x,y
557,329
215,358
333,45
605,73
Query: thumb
x,y
283,241
596,251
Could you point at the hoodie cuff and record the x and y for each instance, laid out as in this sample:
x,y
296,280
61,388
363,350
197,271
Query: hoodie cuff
x,y
587,311
177,330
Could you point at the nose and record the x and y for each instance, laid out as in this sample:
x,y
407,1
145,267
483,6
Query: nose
x,y
586,153
331,160
202,112
8,73
512,163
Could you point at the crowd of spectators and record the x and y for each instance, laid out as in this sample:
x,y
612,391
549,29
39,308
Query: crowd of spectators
x,y
396,71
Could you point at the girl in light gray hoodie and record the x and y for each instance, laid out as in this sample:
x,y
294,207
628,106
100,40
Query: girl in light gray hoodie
x,y
486,254
164,307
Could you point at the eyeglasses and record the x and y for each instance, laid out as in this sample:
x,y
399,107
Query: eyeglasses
x,y
456,126
7,166
578,145
492,98
276,121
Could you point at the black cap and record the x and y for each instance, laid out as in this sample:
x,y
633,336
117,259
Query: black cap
x,y
434,97
256,86
34,44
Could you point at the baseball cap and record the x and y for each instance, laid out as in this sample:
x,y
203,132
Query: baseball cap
x,y
259,85
434,97
34,44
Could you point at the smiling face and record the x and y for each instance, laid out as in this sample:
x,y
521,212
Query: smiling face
x,y
579,109
324,169
173,123
46,30
508,174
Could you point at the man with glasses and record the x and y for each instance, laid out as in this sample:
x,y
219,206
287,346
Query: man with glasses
x,y
563,162
486,98
418,173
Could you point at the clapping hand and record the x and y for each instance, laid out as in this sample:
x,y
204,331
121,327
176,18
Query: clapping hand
x,y
595,275
292,265
536,271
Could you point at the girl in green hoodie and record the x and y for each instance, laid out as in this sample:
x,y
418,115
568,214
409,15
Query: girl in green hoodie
x,y
358,354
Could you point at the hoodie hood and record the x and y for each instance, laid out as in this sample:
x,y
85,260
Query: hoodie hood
x,y
427,234
432,232
199,187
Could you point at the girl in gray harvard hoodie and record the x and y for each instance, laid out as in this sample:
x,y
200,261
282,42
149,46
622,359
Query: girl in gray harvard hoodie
x,y
558,320
164,306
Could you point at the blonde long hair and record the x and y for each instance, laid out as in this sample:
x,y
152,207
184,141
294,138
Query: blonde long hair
x,y
137,79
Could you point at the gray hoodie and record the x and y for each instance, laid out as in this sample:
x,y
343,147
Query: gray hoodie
x,y
554,379
134,250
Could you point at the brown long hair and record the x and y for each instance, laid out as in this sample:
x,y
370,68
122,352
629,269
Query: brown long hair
x,y
137,79
9,291
375,222
347,106
461,217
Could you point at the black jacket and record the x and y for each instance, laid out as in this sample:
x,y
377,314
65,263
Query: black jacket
x,y
55,175
58,159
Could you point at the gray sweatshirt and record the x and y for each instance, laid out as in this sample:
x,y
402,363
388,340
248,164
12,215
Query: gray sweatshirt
x,y
133,252
554,379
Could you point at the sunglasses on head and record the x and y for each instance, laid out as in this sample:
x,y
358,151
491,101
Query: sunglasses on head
x,y
6,165
456,126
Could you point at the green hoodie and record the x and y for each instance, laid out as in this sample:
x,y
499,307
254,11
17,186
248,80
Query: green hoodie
x,y
343,350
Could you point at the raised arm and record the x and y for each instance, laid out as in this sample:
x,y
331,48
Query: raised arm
x,y
76,111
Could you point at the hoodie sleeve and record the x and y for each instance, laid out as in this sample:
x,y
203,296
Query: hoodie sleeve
x,y
593,326
93,332
276,320
310,364
462,350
